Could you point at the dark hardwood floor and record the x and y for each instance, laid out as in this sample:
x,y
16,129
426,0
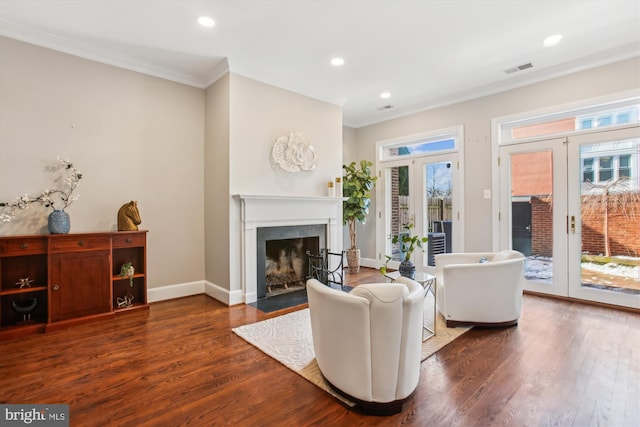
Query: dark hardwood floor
x,y
565,364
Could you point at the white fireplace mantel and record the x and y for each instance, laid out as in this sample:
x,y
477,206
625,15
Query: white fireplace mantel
x,y
276,211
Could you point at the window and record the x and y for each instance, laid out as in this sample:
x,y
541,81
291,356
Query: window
x,y
604,121
419,145
624,169
616,117
586,124
605,170
571,121
587,170
608,168
623,118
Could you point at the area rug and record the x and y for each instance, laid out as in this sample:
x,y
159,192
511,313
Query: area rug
x,y
288,340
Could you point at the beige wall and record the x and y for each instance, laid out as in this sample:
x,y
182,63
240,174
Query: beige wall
x,y
180,151
260,113
475,116
134,137
216,173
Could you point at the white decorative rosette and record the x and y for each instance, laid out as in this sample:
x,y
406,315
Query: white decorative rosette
x,y
294,153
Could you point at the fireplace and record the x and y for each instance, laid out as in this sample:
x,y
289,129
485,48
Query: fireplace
x,y
263,213
281,256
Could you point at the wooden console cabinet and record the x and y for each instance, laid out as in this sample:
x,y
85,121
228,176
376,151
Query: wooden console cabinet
x,y
53,281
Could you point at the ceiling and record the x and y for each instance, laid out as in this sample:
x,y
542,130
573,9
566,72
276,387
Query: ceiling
x,y
424,53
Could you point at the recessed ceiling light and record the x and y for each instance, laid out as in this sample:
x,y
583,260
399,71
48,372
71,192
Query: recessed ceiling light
x,y
385,95
552,40
205,21
337,62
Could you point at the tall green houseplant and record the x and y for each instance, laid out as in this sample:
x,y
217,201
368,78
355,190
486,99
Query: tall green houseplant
x,y
357,183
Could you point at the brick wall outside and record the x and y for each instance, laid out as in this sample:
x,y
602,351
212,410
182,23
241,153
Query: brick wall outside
x,y
624,231
541,227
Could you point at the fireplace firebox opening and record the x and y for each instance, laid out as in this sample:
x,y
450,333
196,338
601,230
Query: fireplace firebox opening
x,y
282,262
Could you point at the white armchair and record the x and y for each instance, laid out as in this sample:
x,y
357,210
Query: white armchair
x,y
368,342
481,288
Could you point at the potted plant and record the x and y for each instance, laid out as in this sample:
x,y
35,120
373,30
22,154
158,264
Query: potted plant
x,y
407,244
357,184
127,270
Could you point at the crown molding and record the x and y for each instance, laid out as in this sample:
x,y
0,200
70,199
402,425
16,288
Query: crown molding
x,y
83,50
529,77
217,72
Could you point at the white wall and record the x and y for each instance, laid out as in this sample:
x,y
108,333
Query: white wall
x,y
259,114
475,116
134,137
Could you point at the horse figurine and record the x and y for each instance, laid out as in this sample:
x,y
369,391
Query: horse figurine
x,y
129,217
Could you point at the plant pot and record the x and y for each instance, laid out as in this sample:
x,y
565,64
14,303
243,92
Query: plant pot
x,y
353,260
59,222
407,269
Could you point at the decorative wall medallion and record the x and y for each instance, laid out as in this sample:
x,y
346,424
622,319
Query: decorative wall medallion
x,y
294,153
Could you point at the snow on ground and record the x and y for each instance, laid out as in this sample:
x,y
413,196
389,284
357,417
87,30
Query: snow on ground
x,y
540,268
612,269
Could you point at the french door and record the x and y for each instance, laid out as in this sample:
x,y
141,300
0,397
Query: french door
x,y
423,191
571,206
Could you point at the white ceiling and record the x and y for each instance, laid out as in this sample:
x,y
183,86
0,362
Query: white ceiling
x,y
425,53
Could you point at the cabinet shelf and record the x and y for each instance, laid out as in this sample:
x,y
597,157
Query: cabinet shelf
x,y
76,277
135,306
23,290
119,278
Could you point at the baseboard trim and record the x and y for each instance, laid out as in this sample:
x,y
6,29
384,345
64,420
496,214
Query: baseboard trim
x,y
179,290
365,262
223,295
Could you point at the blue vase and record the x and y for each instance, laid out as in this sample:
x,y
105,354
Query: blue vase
x,y
407,269
59,222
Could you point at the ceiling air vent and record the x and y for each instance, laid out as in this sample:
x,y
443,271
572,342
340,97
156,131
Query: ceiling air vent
x,y
518,68
386,107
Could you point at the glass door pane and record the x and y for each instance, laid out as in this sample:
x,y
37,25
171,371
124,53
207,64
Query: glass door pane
x,y
604,223
397,187
533,211
437,215
401,211
426,192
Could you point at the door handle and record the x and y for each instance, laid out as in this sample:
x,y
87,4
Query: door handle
x,y
573,224
56,287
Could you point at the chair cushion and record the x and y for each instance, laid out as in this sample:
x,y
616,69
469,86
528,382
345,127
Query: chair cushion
x,y
505,255
381,292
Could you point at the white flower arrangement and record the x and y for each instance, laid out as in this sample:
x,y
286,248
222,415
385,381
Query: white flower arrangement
x,y
59,199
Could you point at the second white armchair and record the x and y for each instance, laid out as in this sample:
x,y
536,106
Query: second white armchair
x,y
480,288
